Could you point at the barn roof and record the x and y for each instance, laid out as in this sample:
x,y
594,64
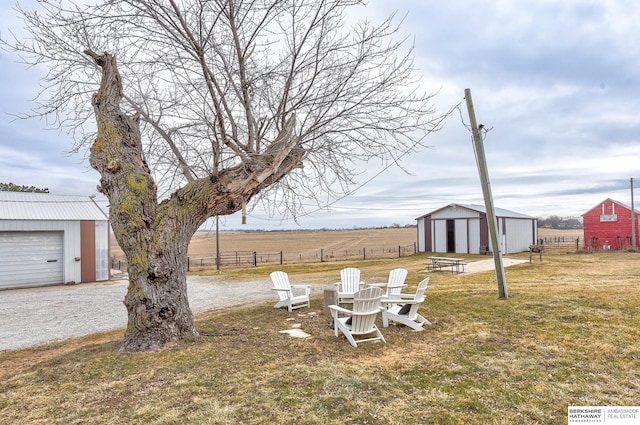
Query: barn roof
x,y
45,206
623,205
500,212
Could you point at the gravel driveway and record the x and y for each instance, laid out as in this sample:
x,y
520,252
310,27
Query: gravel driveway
x,y
30,317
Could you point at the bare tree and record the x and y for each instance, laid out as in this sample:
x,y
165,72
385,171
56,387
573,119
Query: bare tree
x,y
211,103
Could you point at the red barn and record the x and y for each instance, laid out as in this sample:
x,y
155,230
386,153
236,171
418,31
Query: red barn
x,y
608,226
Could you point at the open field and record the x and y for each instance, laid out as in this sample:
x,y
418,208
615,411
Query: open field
x,y
295,243
568,335
568,233
203,244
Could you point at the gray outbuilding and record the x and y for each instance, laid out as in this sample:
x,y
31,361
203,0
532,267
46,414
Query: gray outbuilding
x,y
464,229
48,239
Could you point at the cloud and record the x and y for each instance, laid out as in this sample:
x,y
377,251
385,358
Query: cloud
x,y
555,82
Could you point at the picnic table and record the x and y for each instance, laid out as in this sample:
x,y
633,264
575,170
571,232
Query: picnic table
x,y
438,263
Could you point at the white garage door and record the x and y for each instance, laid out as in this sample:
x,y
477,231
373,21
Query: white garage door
x,y
30,259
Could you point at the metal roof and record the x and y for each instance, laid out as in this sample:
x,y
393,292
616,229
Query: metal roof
x,y
500,212
45,206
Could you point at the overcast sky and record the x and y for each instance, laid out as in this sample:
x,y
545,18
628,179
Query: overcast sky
x,y
557,84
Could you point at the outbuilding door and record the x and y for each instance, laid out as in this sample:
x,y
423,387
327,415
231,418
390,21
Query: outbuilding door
x,y
451,236
30,259
88,249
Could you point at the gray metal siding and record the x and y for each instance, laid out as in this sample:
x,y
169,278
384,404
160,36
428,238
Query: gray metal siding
x,y
439,235
422,244
462,240
102,250
519,235
474,236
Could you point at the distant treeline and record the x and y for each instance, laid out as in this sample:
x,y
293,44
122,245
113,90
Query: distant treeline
x,y
323,229
555,222
552,222
11,187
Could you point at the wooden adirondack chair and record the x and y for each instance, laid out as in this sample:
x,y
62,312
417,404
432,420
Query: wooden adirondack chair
x,y
349,284
403,308
285,292
361,320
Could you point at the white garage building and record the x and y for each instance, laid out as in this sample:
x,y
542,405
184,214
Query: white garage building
x,y
464,229
50,239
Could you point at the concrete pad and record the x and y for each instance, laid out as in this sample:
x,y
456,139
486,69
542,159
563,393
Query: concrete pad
x,y
489,264
296,333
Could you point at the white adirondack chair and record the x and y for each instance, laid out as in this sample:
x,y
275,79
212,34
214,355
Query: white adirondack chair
x,y
403,308
361,320
286,294
349,284
396,282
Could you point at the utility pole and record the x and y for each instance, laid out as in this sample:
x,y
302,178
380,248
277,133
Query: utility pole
x,y
217,243
488,199
633,220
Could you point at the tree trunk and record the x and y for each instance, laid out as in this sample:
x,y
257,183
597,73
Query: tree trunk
x,y
158,307
157,304
155,237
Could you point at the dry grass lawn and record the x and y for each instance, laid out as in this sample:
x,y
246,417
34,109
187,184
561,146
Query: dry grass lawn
x,y
568,335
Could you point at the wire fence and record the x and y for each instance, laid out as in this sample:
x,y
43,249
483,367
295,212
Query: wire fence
x,y
562,242
256,258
